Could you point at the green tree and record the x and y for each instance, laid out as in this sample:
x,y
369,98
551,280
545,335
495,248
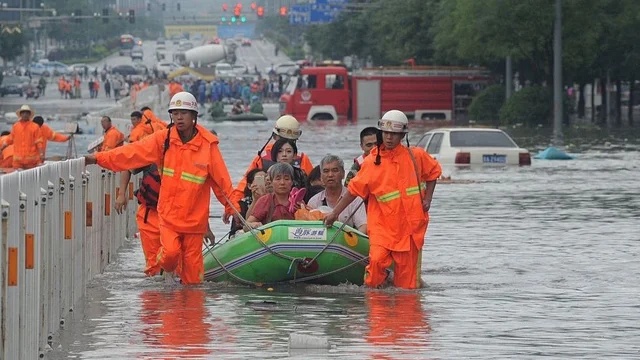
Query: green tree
x,y
486,105
12,44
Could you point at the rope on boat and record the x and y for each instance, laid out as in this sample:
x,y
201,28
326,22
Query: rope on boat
x,y
294,281
306,263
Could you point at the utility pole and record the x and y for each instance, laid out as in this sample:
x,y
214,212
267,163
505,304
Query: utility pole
x,y
557,77
508,78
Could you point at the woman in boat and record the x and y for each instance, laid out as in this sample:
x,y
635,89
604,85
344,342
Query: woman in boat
x,y
286,151
276,205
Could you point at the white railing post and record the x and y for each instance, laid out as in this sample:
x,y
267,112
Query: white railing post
x,y
24,327
104,209
3,275
54,259
66,245
11,312
45,276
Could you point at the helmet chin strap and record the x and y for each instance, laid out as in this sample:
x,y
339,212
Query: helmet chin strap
x,y
265,145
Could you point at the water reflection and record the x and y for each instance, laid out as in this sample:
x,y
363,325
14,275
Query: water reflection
x,y
175,322
398,320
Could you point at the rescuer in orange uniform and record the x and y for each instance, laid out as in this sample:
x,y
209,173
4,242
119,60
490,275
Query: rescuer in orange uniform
x,y
286,127
48,134
28,150
7,153
149,117
174,88
398,203
191,165
112,137
139,128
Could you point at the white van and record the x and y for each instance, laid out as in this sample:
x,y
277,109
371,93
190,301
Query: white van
x,y
223,69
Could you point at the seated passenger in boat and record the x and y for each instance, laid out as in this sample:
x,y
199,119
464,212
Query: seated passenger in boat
x,y
314,184
257,184
275,206
286,151
237,108
332,176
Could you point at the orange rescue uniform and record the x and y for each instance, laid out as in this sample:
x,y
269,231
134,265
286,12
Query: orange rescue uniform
x,y
256,163
28,147
112,139
148,223
395,218
7,155
49,135
149,227
174,88
148,117
140,131
189,171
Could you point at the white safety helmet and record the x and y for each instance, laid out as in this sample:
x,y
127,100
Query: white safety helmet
x,y
287,127
183,101
394,121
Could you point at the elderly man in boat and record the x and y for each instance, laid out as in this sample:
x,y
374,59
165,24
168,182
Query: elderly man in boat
x,y
332,174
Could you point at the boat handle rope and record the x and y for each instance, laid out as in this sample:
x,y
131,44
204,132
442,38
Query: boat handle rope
x,y
307,263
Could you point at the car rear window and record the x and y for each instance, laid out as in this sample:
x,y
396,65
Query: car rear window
x,y
480,139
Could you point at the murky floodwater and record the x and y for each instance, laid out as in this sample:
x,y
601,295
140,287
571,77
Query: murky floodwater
x,y
522,263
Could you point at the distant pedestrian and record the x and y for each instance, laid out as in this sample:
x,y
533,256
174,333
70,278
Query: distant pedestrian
x,y
107,88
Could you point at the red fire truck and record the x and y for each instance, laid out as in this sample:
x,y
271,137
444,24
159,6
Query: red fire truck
x,y
431,94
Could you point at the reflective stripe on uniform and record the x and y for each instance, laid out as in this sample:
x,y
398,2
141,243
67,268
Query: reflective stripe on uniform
x,y
414,190
193,178
389,196
167,171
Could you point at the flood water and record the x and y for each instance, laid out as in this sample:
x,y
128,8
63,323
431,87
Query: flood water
x,y
520,263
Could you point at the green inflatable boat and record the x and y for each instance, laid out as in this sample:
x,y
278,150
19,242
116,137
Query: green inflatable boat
x,y
290,251
241,117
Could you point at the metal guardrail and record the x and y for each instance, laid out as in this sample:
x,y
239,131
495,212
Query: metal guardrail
x,y
58,231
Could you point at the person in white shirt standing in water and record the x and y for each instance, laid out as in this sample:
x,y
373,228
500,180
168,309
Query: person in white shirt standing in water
x,y
332,174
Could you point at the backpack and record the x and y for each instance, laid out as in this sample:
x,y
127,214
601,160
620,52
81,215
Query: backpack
x,y
149,190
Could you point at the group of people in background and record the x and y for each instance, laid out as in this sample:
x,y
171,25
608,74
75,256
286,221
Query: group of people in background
x,y
25,146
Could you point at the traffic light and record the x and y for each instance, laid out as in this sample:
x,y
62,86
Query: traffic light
x,y
132,16
260,11
237,10
105,15
223,19
164,7
178,6
283,11
243,19
225,7
233,19
254,5
148,6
